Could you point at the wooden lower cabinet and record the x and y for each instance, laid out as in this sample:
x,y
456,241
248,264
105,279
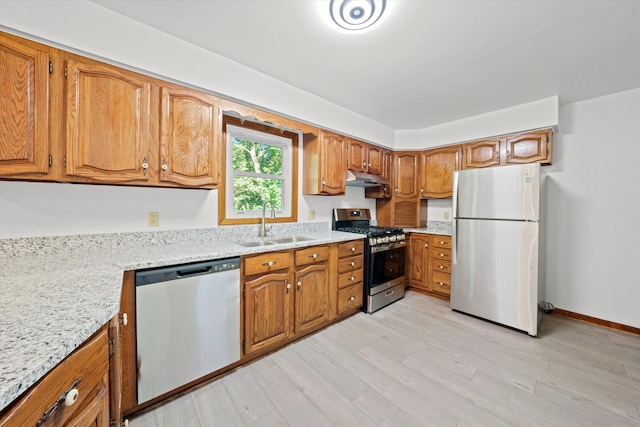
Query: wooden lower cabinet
x,y
85,372
312,289
418,261
268,306
429,264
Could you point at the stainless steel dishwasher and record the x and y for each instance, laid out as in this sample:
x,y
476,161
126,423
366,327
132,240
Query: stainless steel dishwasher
x,y
187,323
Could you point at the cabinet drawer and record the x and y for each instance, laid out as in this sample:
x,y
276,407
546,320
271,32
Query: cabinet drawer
x,y
443,266
312,254
348,264
265,263
349,278
349,298
89,364
441,241
347,249
441,254
441,282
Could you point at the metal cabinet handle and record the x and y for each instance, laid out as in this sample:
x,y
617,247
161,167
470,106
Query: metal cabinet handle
x,y
352,298
145,165
422,190
442,255
323,183
364,164
508,153
441,267
352,278
396,190
443,243
441,283
299,284
426,245
353,249
352,263
497,155
314,256
164,165
269,263
67,398
288,285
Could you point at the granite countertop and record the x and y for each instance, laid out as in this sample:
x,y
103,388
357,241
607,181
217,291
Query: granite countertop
x,y
56,292
442,228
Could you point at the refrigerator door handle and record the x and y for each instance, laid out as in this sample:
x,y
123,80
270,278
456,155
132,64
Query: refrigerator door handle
x,y
454,234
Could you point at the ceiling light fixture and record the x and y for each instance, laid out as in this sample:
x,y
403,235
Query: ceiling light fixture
x,y
354,15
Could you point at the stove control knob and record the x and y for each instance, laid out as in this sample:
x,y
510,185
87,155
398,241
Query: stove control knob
x,y
401,237
385,239
372,241
392,238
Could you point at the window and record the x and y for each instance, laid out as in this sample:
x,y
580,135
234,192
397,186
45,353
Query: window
x,y
261,165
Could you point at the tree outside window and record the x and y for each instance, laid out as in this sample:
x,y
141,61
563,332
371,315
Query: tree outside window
x,y
259,167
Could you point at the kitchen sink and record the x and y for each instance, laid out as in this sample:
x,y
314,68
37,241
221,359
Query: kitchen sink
x,y
292,239
255,243
280,241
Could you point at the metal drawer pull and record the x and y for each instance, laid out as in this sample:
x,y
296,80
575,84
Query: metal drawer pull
x,y
269,264
353,249
314,256
352,263
443,243
441,267
441,283
442,255
389,293
71,394
299,284
352,298
352,278
426,245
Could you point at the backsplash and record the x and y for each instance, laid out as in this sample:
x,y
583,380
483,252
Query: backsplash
x,y
92,242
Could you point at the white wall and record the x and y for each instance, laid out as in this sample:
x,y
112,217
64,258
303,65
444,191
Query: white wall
x,y
542,113
593,209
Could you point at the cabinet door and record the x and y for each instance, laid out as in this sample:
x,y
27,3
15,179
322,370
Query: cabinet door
x,y
405,174
418,261
267,310
436,172
529,147
357,156
332,163
24,118
375,160
96,414
481,154
108,125
312,293
190,124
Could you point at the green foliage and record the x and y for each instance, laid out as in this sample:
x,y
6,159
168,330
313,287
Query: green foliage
x,y
251,190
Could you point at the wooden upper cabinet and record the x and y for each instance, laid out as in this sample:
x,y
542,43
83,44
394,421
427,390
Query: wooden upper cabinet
x,y
375,160
24,108
481,154
108,124
356,155
529,147
190,132
324,163
436,171
526,147
405,174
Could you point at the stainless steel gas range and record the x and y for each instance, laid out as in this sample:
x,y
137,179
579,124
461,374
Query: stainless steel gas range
x,y
384,254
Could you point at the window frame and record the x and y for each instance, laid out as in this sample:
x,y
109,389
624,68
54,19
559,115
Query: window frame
x,y
272,134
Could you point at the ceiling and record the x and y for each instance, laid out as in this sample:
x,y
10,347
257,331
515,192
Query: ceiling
x,y
428,61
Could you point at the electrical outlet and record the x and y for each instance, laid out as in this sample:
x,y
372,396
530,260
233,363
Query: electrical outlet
x,y
446,215
154,219
311,215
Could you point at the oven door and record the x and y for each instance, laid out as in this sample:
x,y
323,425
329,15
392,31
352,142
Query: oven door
x,y
386,267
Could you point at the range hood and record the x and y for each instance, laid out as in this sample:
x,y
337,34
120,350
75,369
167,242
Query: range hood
x,y
361,179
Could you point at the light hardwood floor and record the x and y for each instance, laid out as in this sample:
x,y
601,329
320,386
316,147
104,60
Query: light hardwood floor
x,y
417,363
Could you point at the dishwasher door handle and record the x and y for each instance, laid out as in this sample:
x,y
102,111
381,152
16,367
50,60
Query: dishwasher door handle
x,y
193,272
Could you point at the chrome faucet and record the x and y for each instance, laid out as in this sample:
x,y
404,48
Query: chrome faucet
x,y
264,230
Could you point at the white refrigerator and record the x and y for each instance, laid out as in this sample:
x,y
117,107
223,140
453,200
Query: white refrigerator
x,y
497,257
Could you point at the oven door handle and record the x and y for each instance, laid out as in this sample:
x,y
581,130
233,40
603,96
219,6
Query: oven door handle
x,y
387,247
